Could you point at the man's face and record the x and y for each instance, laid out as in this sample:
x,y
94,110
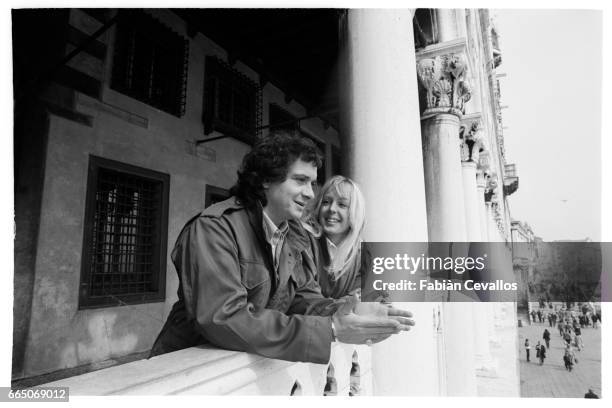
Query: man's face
x,y
287,199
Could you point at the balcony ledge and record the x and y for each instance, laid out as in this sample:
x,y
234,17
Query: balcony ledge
x,y
205,370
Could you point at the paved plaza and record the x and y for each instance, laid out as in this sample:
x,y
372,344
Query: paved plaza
x,y
552,379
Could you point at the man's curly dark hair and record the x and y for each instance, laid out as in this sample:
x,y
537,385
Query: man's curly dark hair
x,y
269,161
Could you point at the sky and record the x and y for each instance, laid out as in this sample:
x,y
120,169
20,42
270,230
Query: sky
x,y
553,65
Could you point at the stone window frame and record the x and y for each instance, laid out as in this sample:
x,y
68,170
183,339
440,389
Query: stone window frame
x,y
94,247
150,62
224,111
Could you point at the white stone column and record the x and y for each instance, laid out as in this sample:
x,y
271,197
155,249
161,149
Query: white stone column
x,y
451,24
485,364
442,73
381,141
472,216
471,146
482,208
443,180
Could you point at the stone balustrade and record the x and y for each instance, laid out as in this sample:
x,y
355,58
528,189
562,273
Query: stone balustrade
x,y
205,370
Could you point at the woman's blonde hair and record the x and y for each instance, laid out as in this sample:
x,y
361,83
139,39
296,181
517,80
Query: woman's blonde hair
x,y
350,247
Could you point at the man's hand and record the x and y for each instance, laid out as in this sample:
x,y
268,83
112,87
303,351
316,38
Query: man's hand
x,y
368,323
385,310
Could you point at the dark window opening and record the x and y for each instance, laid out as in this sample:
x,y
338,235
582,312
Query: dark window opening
x,y
232,102
280,119
150,62
425,28
215,195
124,250
336,161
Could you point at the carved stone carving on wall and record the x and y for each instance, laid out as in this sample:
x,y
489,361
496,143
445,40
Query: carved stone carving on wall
x,y
491,187
497,214
471,142
443,79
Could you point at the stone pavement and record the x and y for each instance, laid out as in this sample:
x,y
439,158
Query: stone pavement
x,y
552,380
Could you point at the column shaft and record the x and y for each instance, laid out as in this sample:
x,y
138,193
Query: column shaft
x,y
380,128
443,180
482,208
472,216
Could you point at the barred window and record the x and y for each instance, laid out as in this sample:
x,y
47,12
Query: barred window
x,y
150,62
232,102
125,239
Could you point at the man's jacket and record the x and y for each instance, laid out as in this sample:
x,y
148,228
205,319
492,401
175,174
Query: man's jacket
x,y
230,295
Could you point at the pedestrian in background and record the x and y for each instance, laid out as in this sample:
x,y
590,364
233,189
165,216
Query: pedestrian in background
x,y
542,353
546,337
527,349
591,394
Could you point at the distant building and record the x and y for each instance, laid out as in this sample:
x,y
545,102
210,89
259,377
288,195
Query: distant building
x,y
524,255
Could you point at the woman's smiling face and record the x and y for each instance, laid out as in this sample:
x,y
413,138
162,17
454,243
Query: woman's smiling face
x,y
334,213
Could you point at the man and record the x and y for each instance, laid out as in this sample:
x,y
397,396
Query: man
x,y
546,337
247,278
527,349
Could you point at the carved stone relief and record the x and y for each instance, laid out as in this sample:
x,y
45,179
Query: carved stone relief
x,y
471,142
444,80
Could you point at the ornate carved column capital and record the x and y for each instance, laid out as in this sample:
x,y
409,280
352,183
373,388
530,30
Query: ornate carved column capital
x,y
472,142
442,71
491,187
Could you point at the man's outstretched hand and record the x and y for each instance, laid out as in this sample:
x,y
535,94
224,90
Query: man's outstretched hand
x,y
369,323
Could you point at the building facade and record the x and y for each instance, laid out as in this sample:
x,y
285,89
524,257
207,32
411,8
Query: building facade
x,y
128,122
524,256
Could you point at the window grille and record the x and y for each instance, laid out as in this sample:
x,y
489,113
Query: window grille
x,y
232,102
150,62
124,252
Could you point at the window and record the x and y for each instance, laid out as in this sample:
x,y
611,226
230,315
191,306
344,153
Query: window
x,y
424,25
150,62
215,195
232,102
125,238
280,119
336,161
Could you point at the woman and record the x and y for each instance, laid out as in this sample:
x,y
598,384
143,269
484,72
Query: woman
x,y
569,358
337,218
